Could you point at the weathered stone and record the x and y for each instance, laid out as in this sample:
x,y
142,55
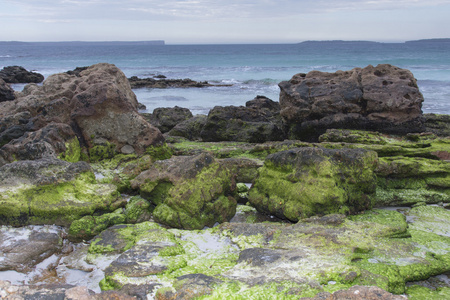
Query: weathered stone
x,y
166,118
303,182
190,129
24,248
16,74
255,123
163,83
6,92
382,98
96,104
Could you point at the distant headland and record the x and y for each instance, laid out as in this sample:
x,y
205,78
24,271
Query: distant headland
x,y
103,43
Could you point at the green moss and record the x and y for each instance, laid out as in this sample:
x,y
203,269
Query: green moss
x,y
320,188
155,191
100,152
418,292
394,223
159,152
89,226
283,290
399,197
198,202
59,203
73,151
138,210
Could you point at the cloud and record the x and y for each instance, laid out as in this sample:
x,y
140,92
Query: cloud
x,y
199,10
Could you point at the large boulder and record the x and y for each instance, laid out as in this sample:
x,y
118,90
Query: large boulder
x,y
257,122
304,182
383,98
97,104
6,92
189,192
16,74
166,118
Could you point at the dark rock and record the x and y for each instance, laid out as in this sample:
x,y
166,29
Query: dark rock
x,y
77,71
190,286
438,124
16,74
256,123
383,98
190,129
259,256
6,92
166,118
163,83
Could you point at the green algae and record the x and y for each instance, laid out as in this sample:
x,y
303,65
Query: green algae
x,y
322,187
198,202
59,203
89,226
73,151
417,292
101,152
159,152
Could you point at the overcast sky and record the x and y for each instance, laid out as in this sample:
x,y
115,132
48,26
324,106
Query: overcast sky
x,y
223,21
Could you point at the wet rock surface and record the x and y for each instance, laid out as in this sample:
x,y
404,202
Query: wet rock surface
x,y
135,245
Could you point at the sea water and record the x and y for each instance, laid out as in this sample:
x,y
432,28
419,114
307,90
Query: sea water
x,y
250,70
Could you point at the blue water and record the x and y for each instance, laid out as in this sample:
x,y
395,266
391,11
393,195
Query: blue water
x,y
251,69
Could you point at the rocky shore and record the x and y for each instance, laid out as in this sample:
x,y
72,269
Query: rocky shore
x,y
338,191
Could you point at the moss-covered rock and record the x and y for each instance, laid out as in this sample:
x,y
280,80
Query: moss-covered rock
x,y
189,192
60,194
304,182
89,226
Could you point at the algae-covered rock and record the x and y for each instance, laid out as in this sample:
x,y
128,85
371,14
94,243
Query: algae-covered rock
x,y
89,226
52,191
304,182
189,192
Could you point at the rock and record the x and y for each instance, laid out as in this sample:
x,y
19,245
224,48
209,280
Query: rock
x,y
303,182
95,106
382,98
51,191
438,124
358,292
189,192
166,118
16,74
190,129
24,248
163,83
255,123
105,107
89,226
189,286
6,92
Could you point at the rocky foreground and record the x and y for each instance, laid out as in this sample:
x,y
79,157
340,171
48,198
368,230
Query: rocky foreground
x,y
338,191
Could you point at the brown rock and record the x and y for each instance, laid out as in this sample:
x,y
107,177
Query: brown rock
x,y
382,98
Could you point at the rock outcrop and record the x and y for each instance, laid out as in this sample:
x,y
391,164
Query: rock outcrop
x,y
382,98
163,83
257,122
166,118
95,108
304,182
6,92
188,192
16,74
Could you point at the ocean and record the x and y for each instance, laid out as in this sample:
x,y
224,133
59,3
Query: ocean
x,y
251,70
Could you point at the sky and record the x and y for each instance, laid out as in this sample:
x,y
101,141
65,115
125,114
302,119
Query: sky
x,y
223,21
